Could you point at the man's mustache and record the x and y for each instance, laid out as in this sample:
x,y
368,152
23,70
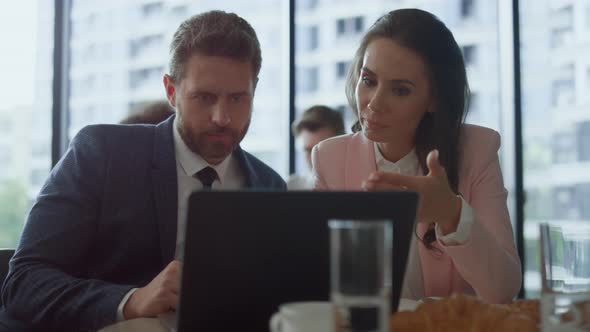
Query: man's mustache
x,y
220,131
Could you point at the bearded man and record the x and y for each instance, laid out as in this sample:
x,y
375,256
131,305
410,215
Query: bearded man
x,y
103,239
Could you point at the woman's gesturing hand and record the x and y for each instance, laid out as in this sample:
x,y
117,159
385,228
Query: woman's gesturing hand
x,y
438,203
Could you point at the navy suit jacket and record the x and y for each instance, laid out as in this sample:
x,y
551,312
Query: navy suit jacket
x,y
104,222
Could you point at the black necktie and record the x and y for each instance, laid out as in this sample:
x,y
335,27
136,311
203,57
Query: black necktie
x,y
207,175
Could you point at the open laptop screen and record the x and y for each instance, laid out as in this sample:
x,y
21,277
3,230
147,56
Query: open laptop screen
x,y
247,252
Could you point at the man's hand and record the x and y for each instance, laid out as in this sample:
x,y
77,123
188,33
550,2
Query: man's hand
x,y
158,297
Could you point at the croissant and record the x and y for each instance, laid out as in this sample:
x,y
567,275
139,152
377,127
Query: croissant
x,y
530,308
465,313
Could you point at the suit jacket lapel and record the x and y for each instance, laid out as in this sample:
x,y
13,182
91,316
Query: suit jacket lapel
x,y
165,189
252,179
360,162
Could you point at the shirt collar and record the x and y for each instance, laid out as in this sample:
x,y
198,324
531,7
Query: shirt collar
x,y
407,165
191,162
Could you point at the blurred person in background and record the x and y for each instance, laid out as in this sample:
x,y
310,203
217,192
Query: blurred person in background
x,y
152,112
316,124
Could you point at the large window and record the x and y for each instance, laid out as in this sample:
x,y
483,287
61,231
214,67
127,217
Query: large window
x,y
25,109
119,52
555,52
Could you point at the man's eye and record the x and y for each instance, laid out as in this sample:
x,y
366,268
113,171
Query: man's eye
x,y
205,97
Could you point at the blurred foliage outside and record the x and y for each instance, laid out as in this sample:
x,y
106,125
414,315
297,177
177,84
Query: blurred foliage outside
x,y
14,205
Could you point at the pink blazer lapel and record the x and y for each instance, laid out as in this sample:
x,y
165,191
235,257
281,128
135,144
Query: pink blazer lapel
x,y
360,162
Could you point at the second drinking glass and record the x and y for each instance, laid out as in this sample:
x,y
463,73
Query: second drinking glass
x,y
361,274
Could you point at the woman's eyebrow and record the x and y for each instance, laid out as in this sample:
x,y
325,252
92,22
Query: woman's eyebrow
x,y
395,80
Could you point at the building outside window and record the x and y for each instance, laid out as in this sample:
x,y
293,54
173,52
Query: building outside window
x,y
309,80
341,69
564,147
555,116
349,25
313,38
563,92
469,54
137,35
467,8
307,38
25,110
583,140
307,4
152,9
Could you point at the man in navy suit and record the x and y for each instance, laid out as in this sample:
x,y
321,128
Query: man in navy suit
x,y
99,243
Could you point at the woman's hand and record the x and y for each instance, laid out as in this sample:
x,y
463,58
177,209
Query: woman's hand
x,y
438,203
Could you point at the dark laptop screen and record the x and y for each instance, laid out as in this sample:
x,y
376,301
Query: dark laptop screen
x,y
248,252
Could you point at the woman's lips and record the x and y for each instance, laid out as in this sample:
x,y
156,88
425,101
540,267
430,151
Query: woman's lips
x,y
368,124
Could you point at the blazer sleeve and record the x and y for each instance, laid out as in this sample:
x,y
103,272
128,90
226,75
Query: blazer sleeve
x,y
488,261
46,285
319,182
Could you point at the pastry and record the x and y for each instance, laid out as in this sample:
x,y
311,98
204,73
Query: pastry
x,y
466,313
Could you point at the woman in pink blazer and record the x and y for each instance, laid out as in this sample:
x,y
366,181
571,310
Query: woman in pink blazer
x,y
408,87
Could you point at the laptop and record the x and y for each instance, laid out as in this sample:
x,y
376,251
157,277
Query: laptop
x,y
247,252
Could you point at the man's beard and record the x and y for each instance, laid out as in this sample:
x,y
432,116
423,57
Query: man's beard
x,y
202,146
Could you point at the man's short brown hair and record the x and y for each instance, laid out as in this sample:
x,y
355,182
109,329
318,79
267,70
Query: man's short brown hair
x,y
214,33
318,117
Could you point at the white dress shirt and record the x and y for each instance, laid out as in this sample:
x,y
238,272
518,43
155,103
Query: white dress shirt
x,y
413,287
300,182
188,163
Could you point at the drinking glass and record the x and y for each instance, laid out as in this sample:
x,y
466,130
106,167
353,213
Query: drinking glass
x,y
565,273
360,271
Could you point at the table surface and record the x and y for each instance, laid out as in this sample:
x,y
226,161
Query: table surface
x,y
166,323
163,323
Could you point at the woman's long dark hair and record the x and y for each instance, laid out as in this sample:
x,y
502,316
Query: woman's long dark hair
x,y
426,35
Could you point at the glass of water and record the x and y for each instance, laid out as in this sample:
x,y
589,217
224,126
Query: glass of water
x,y
360,269
565,271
